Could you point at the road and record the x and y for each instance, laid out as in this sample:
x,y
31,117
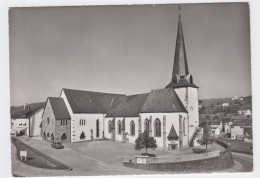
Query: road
x,y
36,158
245,160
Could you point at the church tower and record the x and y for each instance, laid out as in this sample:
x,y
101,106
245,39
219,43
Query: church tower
x,y
182,83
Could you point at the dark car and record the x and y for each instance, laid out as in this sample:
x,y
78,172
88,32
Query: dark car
x,y
57,145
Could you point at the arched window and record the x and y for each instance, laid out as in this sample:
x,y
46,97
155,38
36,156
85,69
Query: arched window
x,y
64,136
132,128
119,126
52,137
109,126
157,128
80,122
184,126
48,120
44,136
48,136
82,135
97,128
146,126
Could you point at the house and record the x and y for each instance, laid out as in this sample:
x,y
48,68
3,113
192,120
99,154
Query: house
x,y
26,120
244,112
169,114
237,129
216,127
225,104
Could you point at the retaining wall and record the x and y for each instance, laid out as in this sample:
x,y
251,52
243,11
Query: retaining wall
x,y
224,161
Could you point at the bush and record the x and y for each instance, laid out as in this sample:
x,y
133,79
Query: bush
x,y
198,150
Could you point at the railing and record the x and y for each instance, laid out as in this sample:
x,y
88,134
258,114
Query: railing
x,y
172,159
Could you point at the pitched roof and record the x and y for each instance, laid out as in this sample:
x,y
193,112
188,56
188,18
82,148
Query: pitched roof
x,y
163,100
59,108
127,106
22,112
173,134
180,66
89,101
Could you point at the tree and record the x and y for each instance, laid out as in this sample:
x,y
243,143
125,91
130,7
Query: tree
x,y
144,141
205,139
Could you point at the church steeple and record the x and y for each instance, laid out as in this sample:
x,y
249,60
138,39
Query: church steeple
x,y
180,66
180,73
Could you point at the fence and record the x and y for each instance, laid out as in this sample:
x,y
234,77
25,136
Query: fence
x,y
174,159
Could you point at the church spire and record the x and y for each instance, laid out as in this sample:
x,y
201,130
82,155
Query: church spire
x,y
180,66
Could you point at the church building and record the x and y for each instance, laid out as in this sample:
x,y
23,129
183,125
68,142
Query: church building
x,y
169,114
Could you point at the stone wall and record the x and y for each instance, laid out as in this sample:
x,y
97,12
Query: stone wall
x,y
61,129
48,128
224,161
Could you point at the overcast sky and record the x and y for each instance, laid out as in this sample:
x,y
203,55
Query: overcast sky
x,y
127,49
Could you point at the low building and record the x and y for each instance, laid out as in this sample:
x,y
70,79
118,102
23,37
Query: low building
x,y
245,112
56,121
26,120
237,129
216,127
225,104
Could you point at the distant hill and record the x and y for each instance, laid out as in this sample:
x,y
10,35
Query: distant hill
x,y
214,105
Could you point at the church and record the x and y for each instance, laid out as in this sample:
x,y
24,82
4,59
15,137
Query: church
x,y
169,114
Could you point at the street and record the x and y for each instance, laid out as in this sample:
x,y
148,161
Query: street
x,y
36,158
245,160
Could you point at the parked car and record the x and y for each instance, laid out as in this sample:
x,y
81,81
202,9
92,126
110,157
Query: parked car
x,y
57,145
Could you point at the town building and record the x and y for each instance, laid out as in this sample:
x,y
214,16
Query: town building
x,y
169,114
225,104
26,120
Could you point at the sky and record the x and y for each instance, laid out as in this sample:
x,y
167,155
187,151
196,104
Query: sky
x,y
127,49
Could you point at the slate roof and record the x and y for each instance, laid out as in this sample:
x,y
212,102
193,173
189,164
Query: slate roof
x,y
22,112
163,100
180,66
173,134
59,108
90,102
127,106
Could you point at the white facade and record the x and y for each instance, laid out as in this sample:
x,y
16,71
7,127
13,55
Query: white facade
x,y
20,125
88,124
225,104
189,98
35,122
236,131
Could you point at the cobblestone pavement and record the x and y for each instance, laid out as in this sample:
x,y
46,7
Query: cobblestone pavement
x,y
86,158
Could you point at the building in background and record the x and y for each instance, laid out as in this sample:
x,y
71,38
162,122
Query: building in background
x,y
26,120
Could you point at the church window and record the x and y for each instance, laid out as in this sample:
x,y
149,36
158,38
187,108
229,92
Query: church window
x,y
109,126
146,126
48,120
119,126
157,128
97,128
132,128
